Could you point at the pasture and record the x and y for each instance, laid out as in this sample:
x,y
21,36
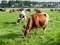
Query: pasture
x,y
11,33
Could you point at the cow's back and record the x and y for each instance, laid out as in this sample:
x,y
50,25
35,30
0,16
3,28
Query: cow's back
x,y
39,19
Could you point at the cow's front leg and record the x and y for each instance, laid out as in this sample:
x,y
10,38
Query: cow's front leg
x,y
36,31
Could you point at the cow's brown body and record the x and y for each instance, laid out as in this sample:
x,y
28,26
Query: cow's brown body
x,y
35,21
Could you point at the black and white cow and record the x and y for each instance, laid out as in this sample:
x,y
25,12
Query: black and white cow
x,y
23,15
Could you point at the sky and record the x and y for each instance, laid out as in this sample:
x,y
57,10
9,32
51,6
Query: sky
x,y
40,0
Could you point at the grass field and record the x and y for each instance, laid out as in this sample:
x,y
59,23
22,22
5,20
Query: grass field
x,y
11,33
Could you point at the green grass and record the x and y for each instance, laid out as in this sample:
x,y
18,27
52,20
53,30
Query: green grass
x,y
11,33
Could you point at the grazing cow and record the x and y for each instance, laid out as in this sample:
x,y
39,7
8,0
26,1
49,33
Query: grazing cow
x,y
57,10
12,10
22,15
37,10
2,10
35,21
28,10
17,10
51,9
21,9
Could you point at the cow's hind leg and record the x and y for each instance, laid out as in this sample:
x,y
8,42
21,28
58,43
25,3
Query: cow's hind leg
x,y
44,29
36,31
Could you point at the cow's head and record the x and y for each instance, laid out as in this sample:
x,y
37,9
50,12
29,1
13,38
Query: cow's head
x,y
25,31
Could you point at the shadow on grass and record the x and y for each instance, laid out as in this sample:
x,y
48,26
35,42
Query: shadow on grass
x,y
53,41
11,36
4,39
2,43
8,22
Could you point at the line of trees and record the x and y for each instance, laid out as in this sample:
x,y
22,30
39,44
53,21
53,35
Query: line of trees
x,y
18,4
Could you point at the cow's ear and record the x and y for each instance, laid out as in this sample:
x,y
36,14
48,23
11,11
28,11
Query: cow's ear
x,y
24,26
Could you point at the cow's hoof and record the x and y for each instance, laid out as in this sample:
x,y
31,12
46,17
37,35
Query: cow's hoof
x,y
23,37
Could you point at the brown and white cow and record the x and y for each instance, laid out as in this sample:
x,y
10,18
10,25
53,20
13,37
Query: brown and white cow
x,y
36,20
12,10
